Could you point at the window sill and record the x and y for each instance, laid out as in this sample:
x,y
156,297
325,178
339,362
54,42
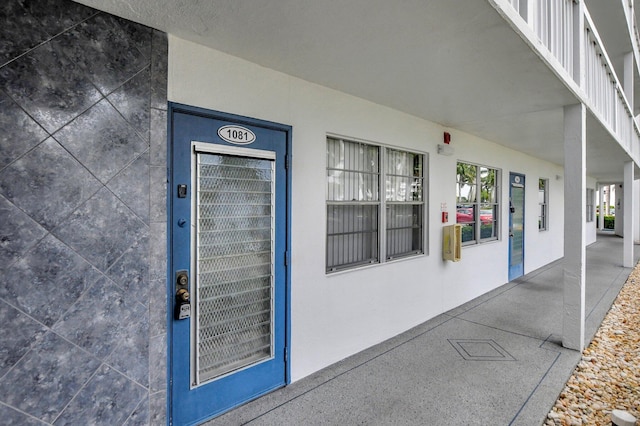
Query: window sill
x,y
481,244
376,265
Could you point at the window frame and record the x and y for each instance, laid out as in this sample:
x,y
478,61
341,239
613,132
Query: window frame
x,y
543,207
382,204
477,204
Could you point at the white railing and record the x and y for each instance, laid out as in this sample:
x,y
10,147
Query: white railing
x,y
515,4
635,142
553,24
605,93
624,121
635,27
600,84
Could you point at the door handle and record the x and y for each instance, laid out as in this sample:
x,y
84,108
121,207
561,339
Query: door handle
x,y
183,298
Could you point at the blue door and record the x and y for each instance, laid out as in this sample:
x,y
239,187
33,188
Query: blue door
x,y
516,225
229,274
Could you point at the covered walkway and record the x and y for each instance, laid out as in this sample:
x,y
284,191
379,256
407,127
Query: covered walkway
x,y
496,360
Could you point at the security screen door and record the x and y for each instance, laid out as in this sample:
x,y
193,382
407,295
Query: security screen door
x,y
229,255
516,225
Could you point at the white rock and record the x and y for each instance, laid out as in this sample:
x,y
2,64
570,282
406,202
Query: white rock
x,y
622,418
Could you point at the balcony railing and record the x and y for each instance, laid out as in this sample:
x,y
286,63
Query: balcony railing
x,y
600,84
604,90
552,21
553,24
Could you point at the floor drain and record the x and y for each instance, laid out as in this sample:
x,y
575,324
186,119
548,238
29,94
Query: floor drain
x,y
480,350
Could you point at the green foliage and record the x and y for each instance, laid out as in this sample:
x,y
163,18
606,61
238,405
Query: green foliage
x,y
467,233
609,221
486,231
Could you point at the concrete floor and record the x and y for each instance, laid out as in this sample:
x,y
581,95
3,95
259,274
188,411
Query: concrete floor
x,y
496,360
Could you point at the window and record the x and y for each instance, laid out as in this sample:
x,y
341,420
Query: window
x,y
354,204
477,203
543,200
404,203
590,203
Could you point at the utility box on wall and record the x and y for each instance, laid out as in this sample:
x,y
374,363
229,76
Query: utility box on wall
x,y
452,242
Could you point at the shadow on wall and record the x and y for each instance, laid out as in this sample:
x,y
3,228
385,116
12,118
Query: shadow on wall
x,y
82,214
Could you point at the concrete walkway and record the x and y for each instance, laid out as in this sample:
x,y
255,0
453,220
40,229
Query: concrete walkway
x,y
496,360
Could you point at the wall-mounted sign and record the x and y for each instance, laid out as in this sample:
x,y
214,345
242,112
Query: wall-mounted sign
x,y
237,135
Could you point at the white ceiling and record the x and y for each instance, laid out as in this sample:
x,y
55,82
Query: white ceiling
x,y
454,62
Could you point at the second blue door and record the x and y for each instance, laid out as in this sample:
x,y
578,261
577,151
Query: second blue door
x,y
516,225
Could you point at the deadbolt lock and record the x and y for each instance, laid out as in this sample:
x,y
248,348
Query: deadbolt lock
x,y
182,280
183,299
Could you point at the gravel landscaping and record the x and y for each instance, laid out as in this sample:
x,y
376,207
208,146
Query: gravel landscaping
x,y
608,375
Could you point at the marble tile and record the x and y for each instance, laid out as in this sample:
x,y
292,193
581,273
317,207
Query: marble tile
x,y
158,408
158,194
19,32
158,363
132,101
102,141
102,229
131,271
98,320
18,132
138,34
159,65
57,15
47,183
47,280
24,333
108,399
158,307
158,138
158,251
12,417
108,65
49,86
140,416
131,186
49,376
131,355
18,233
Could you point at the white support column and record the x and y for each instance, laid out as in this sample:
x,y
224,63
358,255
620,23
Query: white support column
x,y
575,163
629,203
636,209
601,209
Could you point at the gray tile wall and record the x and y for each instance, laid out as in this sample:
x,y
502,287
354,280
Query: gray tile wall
x,y
83,116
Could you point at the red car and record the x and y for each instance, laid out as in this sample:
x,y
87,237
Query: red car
x,y
464,215
486,217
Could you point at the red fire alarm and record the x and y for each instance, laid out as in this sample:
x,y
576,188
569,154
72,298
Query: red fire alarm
x,y
447,138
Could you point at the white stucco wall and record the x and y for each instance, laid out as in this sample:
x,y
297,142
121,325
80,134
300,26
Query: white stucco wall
x,y
334,316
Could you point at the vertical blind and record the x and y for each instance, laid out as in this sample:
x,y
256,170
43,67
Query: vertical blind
x,y
404,195
353,206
